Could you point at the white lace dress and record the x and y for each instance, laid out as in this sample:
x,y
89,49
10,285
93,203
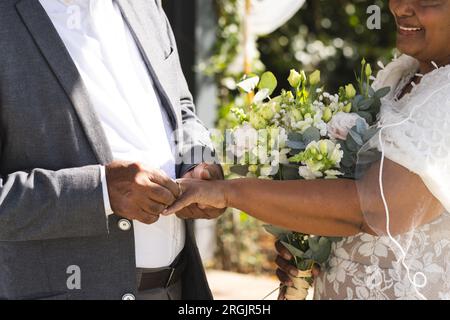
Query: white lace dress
x,y
370,267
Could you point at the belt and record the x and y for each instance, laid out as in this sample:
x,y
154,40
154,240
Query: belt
x,y
163,278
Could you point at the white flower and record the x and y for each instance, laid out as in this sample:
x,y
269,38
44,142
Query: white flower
x,y
308,174
341,123
268,170
332,174
245,138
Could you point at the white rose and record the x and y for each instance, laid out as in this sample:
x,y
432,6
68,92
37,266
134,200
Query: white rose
x,y
341,123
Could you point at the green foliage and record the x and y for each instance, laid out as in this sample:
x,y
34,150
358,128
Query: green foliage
x,y
329,35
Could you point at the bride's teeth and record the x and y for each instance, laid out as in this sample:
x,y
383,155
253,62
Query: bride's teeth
x,y
410,29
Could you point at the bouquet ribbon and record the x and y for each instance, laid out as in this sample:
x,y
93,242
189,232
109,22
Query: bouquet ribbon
x,y
299,291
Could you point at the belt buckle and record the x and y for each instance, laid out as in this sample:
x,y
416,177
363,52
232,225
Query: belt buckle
x,y
172,271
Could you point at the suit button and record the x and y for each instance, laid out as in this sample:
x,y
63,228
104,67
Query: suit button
x,y
124,224
128,296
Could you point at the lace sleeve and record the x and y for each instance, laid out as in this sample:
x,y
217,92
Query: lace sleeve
x,y
417,136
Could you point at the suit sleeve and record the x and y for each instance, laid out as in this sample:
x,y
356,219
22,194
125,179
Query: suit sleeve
x,y
41,204
195,145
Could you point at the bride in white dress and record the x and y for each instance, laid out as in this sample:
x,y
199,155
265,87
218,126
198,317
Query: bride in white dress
x,y
394,219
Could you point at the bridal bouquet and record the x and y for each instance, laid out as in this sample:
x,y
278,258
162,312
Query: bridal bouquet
x,y
304,133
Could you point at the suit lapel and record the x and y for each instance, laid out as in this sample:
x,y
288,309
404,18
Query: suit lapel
x,y
148,43
52,48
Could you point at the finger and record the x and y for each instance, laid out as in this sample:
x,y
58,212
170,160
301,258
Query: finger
x,y
188,175
282,293
205,207
201,172
160,194
182,202
152,207
159,177
283,251
284,278
316,271
147,218
286,266
187,213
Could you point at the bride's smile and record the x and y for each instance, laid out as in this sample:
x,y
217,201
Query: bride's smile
x,y
423,30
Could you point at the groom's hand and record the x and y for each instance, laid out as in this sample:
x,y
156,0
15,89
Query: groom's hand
x,y
203,171
137,192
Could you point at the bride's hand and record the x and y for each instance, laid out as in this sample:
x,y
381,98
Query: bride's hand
x,y
201,192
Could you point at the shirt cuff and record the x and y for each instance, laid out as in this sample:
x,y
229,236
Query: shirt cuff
x,y
107,204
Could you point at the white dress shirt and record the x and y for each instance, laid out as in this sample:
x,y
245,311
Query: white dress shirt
x,y
125,100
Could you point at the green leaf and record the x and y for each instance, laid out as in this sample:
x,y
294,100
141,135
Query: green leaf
x,y
295,136
369,134
356,137
366,115
276,231
268,81
297,145
293,250
355,103
382,92
322,255
366,104
239,170
361,126
311,134
313,243
289,172
348,160
351,144
249,84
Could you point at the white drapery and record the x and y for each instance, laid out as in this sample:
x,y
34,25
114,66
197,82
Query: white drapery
x,y
268,15
264,17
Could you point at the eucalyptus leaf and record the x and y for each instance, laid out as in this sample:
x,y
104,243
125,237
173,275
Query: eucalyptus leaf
x,y
351,144
311,134
356,101
361,126
293,250
347,160
239,170
382,92
268,81
295,136
356,137
322,255
276,231
370,133
289,172
314,243
298,145
324,241
366,104
366,115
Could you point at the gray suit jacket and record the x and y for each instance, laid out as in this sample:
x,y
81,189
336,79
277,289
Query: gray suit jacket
x,y
51,147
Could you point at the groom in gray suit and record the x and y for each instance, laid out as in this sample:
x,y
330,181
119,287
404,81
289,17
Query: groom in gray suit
x,y
96,120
